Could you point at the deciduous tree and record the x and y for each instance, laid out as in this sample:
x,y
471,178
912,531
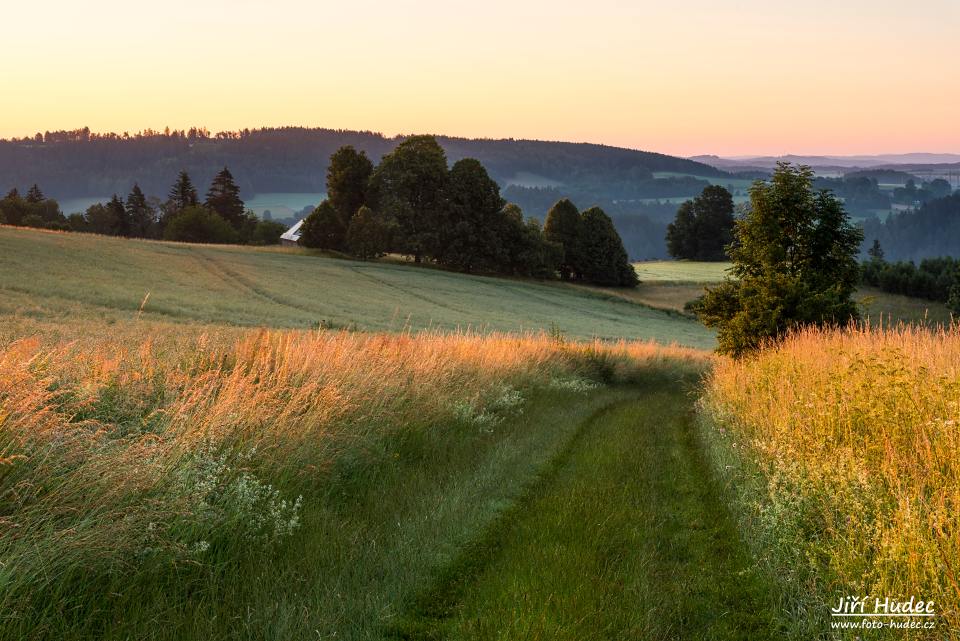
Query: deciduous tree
x,y
794,264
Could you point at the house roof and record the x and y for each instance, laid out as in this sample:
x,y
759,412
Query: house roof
x,y
292,234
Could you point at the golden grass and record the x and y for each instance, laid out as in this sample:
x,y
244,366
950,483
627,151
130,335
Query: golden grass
x,y
857,435
115,442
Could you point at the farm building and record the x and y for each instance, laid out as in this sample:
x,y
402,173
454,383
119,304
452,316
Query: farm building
x,y
292,235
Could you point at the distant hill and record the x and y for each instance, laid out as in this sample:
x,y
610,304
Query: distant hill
x,y
84,167
832,162
80,164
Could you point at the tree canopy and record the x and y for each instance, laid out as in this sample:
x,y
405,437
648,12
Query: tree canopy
x,y
224,198
794,263
348,178
703,226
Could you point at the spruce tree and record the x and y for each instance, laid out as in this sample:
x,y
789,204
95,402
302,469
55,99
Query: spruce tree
x,y
183,194
224,198
140,213
35,196
119,217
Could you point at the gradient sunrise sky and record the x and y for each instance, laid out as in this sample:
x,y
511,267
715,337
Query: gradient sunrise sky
x,y
686,77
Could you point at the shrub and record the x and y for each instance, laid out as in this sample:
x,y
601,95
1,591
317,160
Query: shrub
x,y
199,225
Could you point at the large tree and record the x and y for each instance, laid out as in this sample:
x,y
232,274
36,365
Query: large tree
x,y
348,178
470,233
410,185
324,228
794,264
224,198
183,194
368,234
118,213
564,226
140,212
604,259
703,226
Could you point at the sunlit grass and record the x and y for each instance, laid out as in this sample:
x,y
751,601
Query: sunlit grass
x,y
681,271
855,435
142,459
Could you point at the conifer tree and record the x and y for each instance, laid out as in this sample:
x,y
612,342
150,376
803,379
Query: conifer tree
x,y
118,214
224,198
35,196
140,213
183,194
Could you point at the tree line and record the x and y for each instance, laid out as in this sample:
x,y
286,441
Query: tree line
x,y
931,230
413,203
220,218
934,278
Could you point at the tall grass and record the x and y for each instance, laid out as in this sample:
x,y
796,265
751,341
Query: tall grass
x,y
124,458
853,439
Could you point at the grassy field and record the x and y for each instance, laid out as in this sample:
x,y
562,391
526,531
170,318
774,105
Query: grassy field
x,y
74,275
623,538
241,483
842,447
681,271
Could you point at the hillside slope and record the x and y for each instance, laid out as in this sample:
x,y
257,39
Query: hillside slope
x,y
56,276
294,159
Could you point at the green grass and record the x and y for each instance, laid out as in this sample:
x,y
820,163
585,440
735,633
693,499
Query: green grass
x,y
58,276
623,538
681,271
884,308
389,520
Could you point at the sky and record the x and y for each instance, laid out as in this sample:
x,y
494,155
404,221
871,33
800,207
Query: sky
x,y
726,77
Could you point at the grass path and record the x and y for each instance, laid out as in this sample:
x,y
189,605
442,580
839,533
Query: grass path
x,y
623,538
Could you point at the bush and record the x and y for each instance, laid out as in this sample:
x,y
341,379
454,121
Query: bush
x,y
267,232
199,225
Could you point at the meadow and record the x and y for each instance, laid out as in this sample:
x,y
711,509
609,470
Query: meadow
x,y
280,445
840,451
53,276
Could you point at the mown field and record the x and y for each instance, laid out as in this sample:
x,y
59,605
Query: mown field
x,y
54,276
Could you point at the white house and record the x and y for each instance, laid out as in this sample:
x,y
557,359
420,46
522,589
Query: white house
x,y
292,235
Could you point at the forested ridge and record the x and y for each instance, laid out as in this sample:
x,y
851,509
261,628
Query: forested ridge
x,y
294,159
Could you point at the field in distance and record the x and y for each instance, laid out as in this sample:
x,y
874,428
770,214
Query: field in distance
x,y
57,277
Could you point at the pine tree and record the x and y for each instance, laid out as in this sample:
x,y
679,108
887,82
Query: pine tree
x,y
183,194
35,196
224,198
876,251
